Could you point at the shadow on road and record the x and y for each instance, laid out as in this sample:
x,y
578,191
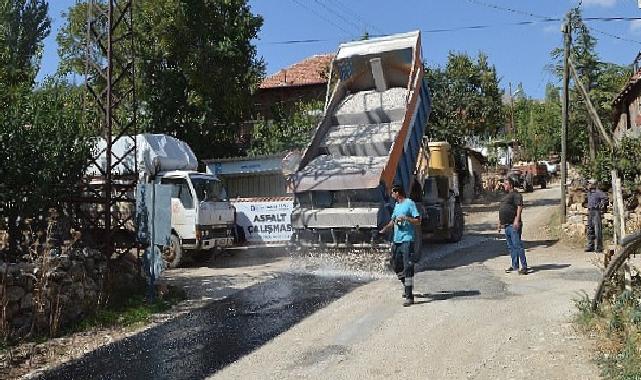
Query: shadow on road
x,y
478,253
546,267
444,295
494,206
239,258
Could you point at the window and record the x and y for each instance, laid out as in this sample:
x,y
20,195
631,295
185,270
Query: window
x,y
180,190
208,189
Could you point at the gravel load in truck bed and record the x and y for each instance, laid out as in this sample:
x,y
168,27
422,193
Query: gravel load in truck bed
x,y
372,107
343,165
361,139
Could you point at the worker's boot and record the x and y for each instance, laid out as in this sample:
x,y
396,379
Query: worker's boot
x,y
409,297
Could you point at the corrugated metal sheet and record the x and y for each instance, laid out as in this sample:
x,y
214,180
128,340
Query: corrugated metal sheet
x,y
257,185
244,166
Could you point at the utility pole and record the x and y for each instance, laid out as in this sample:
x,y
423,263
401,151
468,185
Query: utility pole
x,y
567,34
511,109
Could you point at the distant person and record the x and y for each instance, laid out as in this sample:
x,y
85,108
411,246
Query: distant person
x,y
404,218
510,219
597,205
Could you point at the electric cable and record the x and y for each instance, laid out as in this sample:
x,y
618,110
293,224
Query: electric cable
x,y
319,15
355,14
530,14
340,16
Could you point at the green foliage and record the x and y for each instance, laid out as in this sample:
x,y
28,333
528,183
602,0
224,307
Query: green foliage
x,y
537,125
42,146
615,327
603,82
23,27
466,99
45,146
130,311
623,157
287,131
584,315
196,67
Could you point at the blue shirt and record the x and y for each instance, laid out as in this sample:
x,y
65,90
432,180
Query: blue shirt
x,y
404,231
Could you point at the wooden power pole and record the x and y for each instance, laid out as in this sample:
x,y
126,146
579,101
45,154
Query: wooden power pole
x,y
567,34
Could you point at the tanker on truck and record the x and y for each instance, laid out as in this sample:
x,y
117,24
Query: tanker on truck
x,y
202,218
372,136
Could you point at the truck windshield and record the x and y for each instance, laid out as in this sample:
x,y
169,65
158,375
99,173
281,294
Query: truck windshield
x,y
208,189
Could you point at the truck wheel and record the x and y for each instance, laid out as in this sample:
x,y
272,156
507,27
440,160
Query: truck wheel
x,y
173,255
529,187
456,231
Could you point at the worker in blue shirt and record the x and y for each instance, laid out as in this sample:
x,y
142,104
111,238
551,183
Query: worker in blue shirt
x,y
404,218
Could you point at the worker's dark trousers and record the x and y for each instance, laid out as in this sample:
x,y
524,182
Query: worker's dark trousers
x,y
595,231
403,257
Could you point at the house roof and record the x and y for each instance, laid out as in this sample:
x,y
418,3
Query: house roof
x,y
311,70
630,86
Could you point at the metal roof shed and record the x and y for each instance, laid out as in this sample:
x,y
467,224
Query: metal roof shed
x,y
251,177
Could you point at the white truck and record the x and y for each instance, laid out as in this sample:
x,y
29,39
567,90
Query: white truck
x,y
202,218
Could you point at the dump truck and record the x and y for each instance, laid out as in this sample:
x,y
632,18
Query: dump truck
x,y
370,137
526,176
202,218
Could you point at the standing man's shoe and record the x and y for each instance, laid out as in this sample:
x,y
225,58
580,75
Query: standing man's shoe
x,y
523,271
408,302
509,270
588,250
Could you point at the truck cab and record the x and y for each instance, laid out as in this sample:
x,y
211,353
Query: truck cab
x,y
202,218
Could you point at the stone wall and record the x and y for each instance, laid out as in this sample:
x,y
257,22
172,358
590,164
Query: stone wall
x,y
577,214
43,297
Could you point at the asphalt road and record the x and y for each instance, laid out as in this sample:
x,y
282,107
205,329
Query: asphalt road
x,y
265,318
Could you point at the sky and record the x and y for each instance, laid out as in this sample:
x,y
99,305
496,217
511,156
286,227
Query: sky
x,y
519,52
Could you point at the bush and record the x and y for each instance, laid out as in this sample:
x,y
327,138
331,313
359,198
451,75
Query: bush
x,y
623,158
44,149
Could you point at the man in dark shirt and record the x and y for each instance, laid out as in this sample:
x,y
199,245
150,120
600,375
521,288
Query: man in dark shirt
x,y
510,219
597,204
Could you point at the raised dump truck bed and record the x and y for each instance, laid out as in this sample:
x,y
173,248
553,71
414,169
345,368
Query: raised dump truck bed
x,y
368,139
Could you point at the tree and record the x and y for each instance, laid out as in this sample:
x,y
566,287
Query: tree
x,y
23,27
43,139
538,124
603,82
466,99
196,68
287,131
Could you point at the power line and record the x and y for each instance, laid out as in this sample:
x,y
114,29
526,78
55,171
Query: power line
x,y
489,26
355,14
544,18
511,10
340,16
319,15
612,35
484,26
293,42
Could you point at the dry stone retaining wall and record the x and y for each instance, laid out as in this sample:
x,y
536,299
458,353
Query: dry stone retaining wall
x,y
40,298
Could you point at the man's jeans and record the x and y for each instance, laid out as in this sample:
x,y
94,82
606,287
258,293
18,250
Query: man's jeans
x,y
403,263
595,231
515,246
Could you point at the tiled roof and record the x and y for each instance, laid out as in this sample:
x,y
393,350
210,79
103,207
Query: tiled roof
x,y
632,83
312,70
